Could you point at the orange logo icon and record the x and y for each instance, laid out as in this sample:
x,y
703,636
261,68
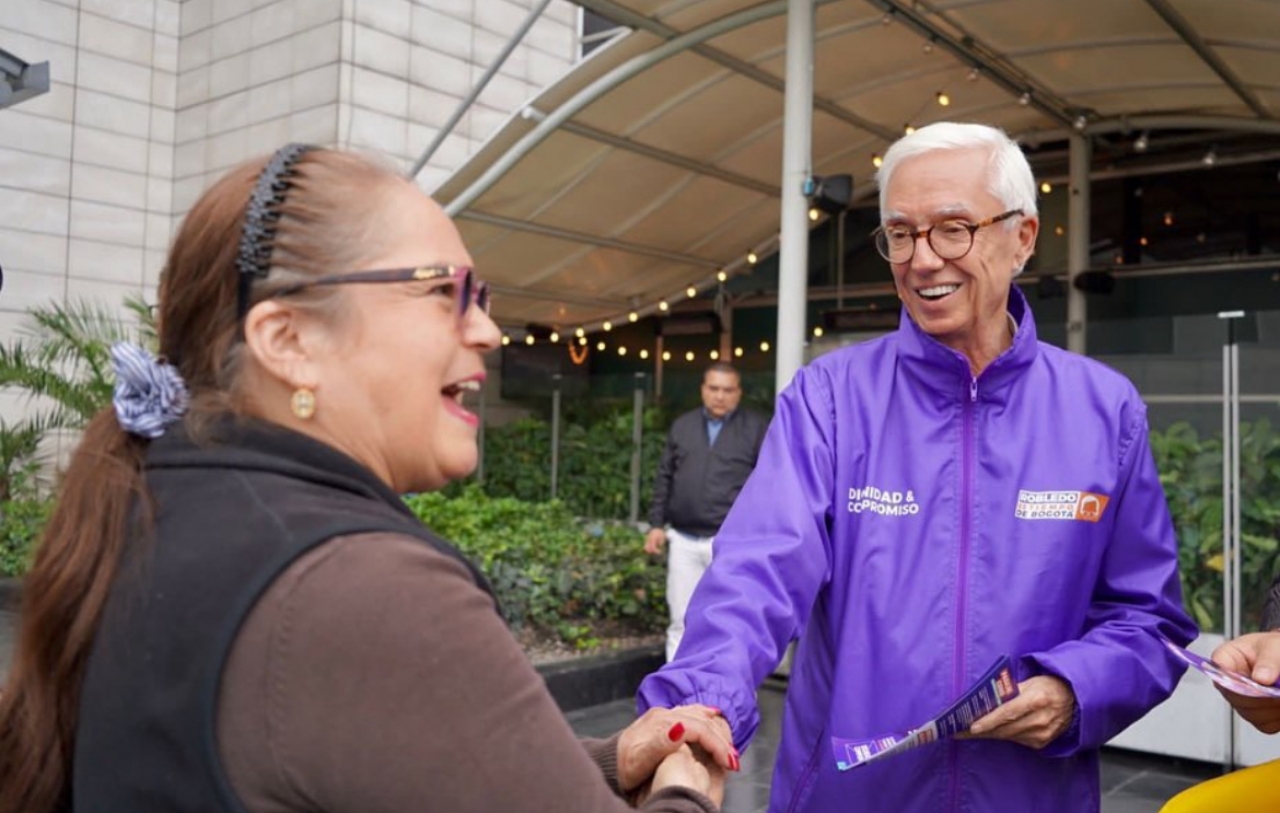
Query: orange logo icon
x,y
1091,506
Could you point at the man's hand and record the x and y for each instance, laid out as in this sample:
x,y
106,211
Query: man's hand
x,y
1258,656
1036,717
654,540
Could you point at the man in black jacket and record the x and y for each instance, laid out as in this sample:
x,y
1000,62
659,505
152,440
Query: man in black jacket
x,y
710,453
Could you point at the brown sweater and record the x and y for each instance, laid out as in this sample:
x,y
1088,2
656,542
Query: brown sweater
x,y
374,677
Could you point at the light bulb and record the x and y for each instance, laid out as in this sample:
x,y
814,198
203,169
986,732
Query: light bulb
x,y
600,346
644,354
715,355
607,326
622,351
943,99
764,347
1024,99
908,129
688,356
691,291
580,333
813,214
666,355
582,341
506,340
555,337
722,276
1046,188
876,160
737,352
817,332
663,306
529,340
633,316
752,258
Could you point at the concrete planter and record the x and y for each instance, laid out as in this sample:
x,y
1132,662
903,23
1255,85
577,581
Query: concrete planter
x,y
591,681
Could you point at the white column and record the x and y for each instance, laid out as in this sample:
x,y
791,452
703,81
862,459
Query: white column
x,y
1081,156
793,255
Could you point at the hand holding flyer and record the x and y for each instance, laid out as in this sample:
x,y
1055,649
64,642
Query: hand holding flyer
x,y
1231,681
995,688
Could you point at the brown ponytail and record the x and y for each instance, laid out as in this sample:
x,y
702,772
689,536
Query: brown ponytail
x,y
326,225
62,599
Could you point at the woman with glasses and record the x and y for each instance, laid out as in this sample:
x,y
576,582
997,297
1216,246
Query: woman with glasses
x,y
232,609
933,501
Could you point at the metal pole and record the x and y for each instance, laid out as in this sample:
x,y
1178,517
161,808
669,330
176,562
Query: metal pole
x,y
797,134
637,438
1081,156
555,434
466,103
840,258
1230,504
658,364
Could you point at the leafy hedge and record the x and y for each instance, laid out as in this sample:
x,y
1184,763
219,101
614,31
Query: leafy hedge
x,y
595,462
552,572
21,522
1191,473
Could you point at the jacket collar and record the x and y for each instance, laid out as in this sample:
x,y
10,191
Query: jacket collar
x,y
248,443
945,370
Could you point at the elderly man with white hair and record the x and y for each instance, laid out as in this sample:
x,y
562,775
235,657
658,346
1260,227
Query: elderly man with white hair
x,y
927,502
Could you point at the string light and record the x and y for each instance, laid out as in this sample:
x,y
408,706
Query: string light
x,y
529,340
600,346
722,276
813,214
1081,122
555,337
817,332
644,354
666,355
908,129
1168,218
607,326
764,347
688,356
943,99
1142,242
737,352
622,351
1058,230
1046,188
715,355
752,258
691,291
582,340
580,333
506,340
633,316
974,73
876,160
1141,143
1210,157
663,306
1025,98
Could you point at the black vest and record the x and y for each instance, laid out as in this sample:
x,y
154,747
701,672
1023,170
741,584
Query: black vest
x,y
230,517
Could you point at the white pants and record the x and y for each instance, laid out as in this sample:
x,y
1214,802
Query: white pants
x,y
687,559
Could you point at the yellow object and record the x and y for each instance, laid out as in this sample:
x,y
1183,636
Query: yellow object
x,y
1252,789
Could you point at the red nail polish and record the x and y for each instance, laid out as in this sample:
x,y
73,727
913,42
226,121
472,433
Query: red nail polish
x,y
734,763
676,732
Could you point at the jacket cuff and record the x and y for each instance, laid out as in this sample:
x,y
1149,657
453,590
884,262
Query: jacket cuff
x,y
604,753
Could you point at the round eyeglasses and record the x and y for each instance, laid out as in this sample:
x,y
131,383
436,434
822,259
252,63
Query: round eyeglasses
x,y
949,239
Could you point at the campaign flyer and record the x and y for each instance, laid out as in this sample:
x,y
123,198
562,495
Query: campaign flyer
x,y
995,688
1231,681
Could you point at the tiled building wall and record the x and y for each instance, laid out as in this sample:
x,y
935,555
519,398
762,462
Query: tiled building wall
x,y
152,100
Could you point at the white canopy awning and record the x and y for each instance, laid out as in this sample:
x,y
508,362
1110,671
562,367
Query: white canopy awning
x,y
654,165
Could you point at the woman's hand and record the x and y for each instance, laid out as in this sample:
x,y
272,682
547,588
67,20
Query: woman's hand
x,y
1258,656
659,734
689,767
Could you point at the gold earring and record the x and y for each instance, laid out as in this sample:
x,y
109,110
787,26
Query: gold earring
x,y
303,403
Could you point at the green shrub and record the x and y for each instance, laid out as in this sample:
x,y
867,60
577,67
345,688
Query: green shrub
x,y
594,479
21,522
1191,473
561,576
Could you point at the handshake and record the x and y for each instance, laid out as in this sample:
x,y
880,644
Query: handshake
x,y
687,746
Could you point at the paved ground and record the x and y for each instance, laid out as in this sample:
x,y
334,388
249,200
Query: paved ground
x,y
1131,783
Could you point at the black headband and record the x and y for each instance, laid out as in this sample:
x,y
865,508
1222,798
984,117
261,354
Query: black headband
x,y
260,216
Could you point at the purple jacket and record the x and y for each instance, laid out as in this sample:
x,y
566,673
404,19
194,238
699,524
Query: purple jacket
x,y
909,524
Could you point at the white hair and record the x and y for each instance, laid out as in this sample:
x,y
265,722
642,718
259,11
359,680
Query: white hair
x,y
1010,175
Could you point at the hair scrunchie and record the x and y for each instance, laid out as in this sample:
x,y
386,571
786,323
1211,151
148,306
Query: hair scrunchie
x,y
149,393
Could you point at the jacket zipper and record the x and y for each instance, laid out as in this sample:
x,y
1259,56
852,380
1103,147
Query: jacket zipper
x,y
962,590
